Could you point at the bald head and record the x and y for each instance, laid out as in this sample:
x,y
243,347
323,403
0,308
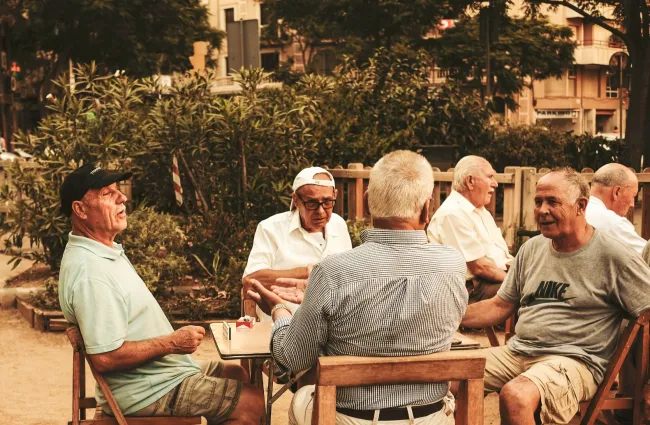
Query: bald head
x,y
614,174
616,186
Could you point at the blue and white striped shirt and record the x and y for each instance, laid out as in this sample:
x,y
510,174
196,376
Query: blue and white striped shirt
x,y
395,295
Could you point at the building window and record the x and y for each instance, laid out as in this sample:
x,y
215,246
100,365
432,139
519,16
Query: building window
x,y
270,61
227,65
230,15
265,14
611,91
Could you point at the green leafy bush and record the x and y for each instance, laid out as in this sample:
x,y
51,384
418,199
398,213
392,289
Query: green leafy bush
x,y
386,105
537,146
355,227
155,245
99,119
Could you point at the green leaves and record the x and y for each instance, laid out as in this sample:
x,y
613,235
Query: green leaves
x,y
527,49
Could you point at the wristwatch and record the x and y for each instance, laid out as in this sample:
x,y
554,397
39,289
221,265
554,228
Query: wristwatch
x,y
278,307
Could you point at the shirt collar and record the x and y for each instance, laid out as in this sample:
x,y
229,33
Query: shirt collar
x,y
95,247
462,202
595,201
295,224
394,237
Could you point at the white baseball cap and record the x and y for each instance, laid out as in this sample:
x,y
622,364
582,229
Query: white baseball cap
x,y
306,177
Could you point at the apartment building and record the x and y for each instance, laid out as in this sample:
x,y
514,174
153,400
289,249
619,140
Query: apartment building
x,y
587,98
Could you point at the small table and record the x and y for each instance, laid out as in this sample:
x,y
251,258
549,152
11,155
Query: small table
x,y
254,344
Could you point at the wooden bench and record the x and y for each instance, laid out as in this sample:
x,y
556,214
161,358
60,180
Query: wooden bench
x,y
80,402
467,367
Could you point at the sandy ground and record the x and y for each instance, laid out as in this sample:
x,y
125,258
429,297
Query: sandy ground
x,y
36,376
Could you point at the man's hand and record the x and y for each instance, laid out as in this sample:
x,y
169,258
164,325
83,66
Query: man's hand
x,y
186,339
292,290
264,298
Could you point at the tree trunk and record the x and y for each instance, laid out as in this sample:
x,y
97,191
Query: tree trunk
x,y
637,136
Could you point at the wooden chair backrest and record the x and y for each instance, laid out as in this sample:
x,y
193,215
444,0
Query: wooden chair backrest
x,y
78,381
640,328
348,371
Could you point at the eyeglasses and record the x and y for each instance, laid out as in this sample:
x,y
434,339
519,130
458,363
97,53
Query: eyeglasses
x,y
313,204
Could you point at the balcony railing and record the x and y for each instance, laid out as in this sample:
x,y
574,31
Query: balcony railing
x,y
602,43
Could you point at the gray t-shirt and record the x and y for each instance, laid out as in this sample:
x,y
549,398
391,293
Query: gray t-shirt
x,y
573,303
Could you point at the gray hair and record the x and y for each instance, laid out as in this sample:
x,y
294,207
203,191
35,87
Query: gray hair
x,y
469,165
400,184
577,187
612,174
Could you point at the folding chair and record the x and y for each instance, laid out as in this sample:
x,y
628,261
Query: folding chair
x,y
467,367
80,402
606,401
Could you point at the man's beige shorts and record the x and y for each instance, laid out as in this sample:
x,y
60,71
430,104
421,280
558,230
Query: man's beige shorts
x,y
562,382
204,394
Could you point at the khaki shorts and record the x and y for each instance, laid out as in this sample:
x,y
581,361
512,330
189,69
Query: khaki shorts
x,y
204,394
563,382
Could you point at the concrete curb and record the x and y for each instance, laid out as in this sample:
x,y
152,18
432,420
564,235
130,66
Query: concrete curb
x,y
8,295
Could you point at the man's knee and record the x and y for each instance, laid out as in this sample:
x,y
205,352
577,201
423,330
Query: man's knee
x,y
519,395
234,371
250,407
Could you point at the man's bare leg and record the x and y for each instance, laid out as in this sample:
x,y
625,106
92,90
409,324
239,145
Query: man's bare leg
x,y
518,401
250,408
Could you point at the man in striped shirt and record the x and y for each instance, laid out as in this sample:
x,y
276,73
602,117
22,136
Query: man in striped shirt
x,y
395,295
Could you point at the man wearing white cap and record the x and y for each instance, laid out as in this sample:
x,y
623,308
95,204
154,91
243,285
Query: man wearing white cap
x,y
288,244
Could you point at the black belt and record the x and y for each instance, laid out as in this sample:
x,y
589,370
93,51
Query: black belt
x,y
394,413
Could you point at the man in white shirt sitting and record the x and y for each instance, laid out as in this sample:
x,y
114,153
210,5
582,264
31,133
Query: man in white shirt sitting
x,y
288,244
613,190
462,222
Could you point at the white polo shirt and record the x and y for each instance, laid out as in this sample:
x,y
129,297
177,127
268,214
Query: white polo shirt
x,y
472,231
607,221
281,243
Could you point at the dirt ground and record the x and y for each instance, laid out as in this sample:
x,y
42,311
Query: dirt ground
x,y
36,376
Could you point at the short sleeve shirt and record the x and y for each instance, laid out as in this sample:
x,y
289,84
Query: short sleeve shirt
x,y
281,243
573,303
608,221
100,291
471,231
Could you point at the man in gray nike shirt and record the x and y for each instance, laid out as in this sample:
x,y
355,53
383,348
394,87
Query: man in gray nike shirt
x,y
572,286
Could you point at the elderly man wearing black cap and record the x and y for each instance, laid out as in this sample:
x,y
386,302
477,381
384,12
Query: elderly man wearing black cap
x,y
128,337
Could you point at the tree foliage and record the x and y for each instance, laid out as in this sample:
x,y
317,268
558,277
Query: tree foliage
x,y
143,37
364,26
527,49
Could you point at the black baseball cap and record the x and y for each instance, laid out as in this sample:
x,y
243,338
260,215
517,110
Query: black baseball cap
x,y
86,177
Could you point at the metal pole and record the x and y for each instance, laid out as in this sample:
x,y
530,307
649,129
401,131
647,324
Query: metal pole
x,y
488,85
241,43
620,97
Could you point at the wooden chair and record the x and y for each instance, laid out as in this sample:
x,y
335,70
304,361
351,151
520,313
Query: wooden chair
x,y
80,402
509,331
348,371
606,401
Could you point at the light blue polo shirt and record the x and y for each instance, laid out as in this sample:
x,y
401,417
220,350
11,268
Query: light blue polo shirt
x,y
100,291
